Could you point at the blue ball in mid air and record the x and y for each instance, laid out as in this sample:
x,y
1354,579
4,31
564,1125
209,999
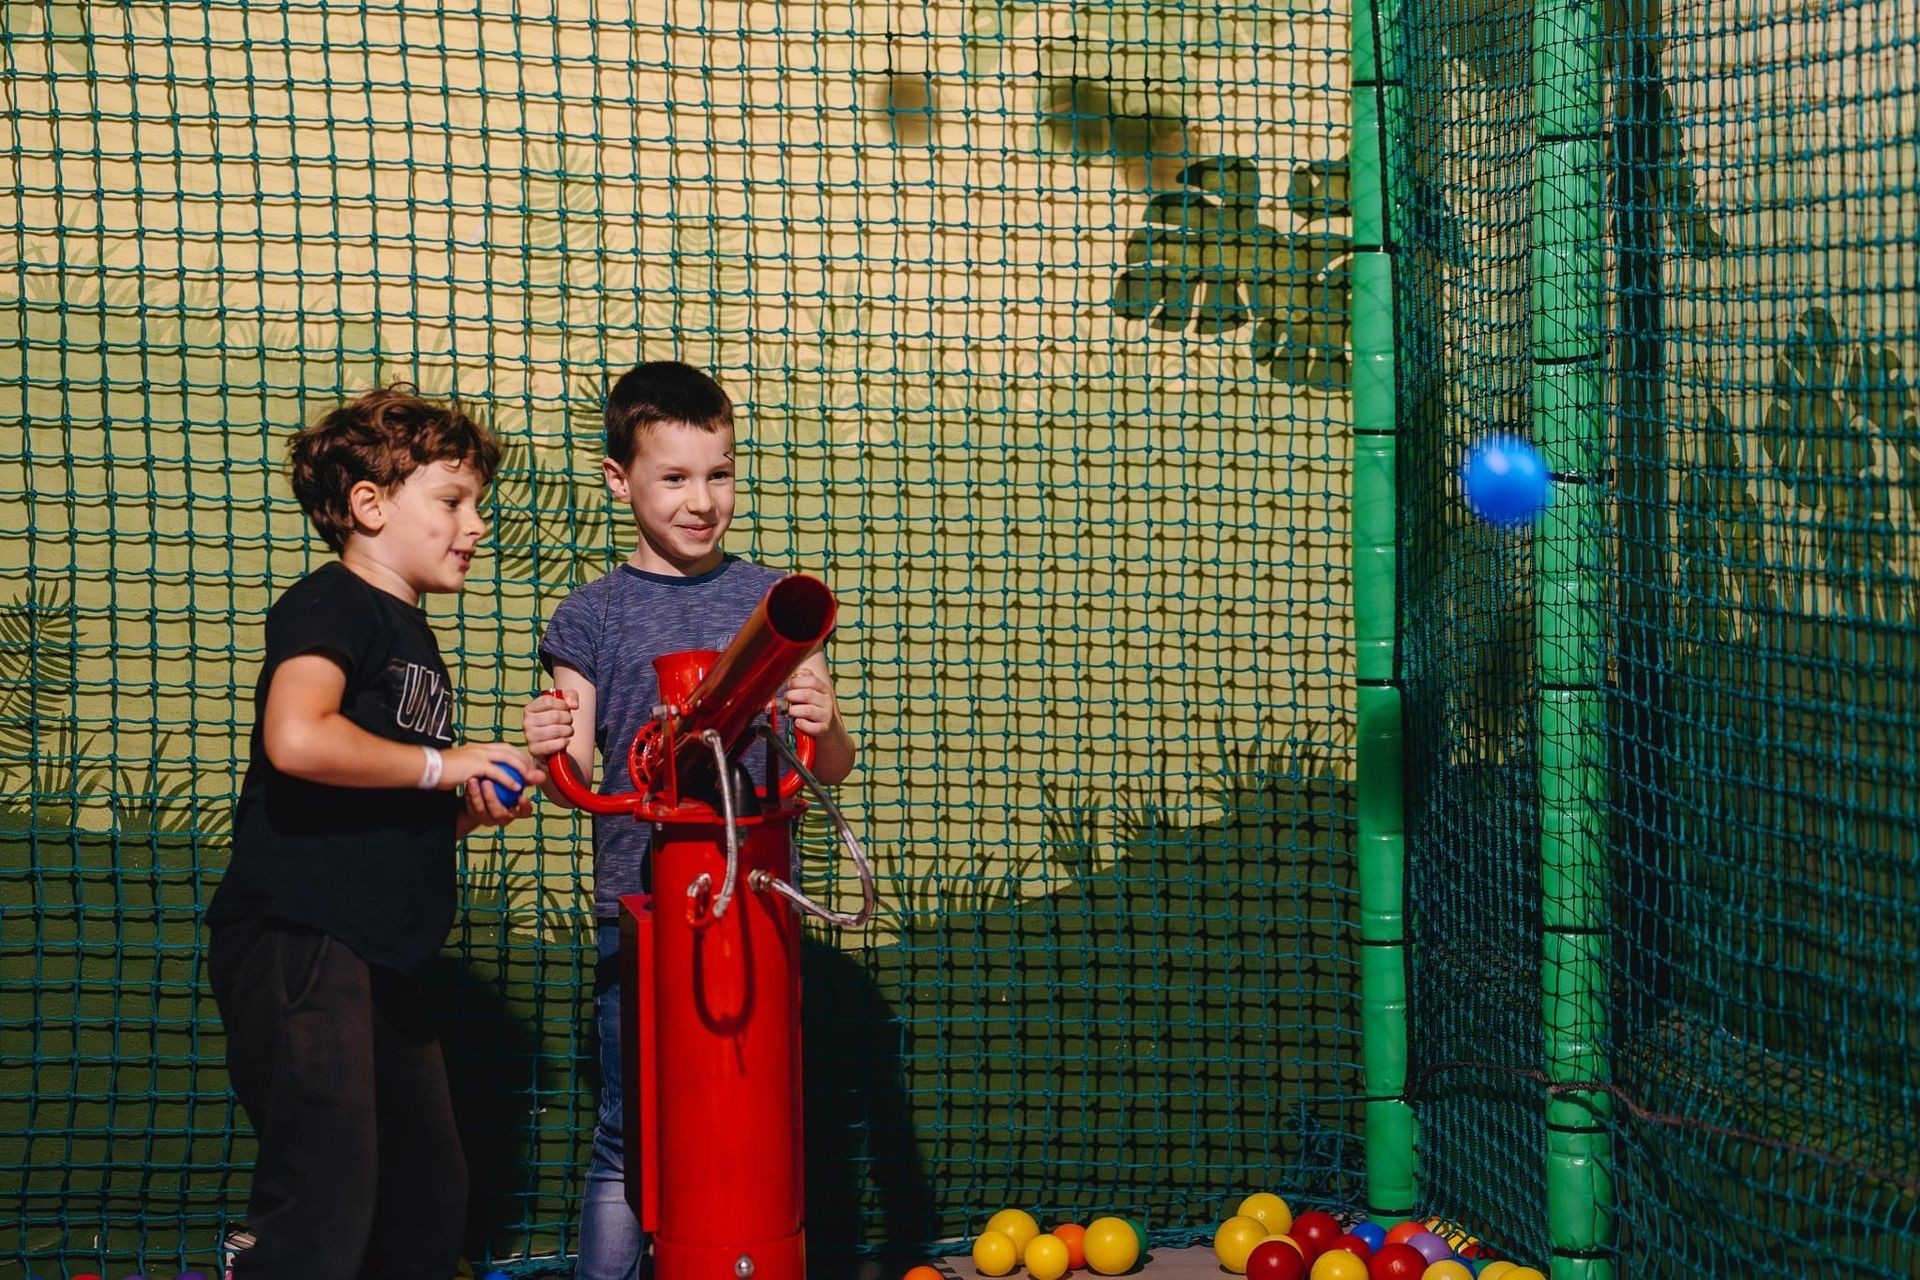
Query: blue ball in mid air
x,y
1505,480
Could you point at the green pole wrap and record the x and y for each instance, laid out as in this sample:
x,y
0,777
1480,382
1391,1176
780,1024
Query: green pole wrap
x,y
1375,559
1390,1136
1566,349
1382,825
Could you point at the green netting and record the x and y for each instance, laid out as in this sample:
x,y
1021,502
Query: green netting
x,y
1776,738
1463,149
1744,511
1036,316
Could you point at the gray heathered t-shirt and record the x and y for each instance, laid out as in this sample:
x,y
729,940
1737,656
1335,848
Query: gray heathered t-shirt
x,y
610,631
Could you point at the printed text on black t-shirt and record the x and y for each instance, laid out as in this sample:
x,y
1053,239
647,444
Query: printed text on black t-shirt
x,y
422,703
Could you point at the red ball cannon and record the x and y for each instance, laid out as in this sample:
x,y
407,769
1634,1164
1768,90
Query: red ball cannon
x,y
711,972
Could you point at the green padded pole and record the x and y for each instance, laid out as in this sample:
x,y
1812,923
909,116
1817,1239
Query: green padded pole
x,y
1567,355
1390,1139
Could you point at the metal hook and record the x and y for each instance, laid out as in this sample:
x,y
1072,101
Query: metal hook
x,y
765,881
720,904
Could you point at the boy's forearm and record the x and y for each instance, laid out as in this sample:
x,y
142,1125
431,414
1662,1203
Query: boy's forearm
x,y
336,752
551,790
834,753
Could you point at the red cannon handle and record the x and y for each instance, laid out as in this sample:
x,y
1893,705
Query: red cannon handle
x,y
788,624
567,780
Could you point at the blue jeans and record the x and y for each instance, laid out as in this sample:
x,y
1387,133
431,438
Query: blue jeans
x,y
611,1242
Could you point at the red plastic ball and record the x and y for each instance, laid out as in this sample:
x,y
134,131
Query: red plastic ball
x,y
1354,1245
1276,1260
1316,1232
1396,1262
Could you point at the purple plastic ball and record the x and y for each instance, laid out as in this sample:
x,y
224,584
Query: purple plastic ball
x,y
1430,1246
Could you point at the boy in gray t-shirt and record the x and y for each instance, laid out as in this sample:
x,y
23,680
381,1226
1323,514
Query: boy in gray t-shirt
x,y
669,459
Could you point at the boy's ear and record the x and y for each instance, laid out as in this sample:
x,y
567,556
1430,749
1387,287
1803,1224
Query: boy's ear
x,y
367,506
616,479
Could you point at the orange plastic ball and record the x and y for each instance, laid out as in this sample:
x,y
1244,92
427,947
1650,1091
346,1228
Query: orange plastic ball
x,y
1404,1232
923,1272
1074,1236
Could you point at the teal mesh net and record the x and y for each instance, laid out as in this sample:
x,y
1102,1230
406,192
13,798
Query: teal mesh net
x,y
1036,318
1756,546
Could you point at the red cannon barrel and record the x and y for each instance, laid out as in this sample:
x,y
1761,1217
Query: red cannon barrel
x,y
788,624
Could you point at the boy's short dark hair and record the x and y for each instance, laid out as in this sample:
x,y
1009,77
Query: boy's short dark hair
x,y
383,437
662,391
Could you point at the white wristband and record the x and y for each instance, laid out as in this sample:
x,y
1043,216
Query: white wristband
x,y
430,776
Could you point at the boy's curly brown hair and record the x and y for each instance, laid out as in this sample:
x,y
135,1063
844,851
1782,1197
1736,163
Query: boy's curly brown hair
x,y
382,437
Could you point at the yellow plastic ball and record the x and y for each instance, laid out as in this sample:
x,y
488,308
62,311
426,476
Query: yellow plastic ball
x,y
1524,1273
1047,1257
1016,1225
1338,1264
994,1253
1236,1239
1494,1270
1111,1247
1447,1269
1269,1210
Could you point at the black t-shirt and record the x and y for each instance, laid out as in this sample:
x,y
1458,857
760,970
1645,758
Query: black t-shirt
x,y
374,867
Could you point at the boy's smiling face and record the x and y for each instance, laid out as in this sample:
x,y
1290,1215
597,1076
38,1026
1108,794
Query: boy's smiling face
x,y
421,535
680,487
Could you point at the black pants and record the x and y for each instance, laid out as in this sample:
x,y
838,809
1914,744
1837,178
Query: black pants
x,y
360,1173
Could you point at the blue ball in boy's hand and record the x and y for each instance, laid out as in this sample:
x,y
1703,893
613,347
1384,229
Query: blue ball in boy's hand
x,y
1505,480
508,797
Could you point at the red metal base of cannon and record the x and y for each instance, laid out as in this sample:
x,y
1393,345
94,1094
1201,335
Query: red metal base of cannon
x,y
712,1060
